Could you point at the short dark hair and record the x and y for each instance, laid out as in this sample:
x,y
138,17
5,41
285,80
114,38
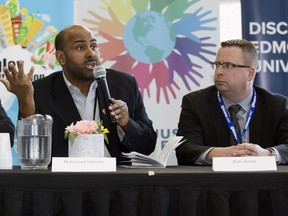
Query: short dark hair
x,y
248,48
59,41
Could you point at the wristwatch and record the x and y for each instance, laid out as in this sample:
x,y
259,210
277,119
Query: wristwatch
x,y
275,154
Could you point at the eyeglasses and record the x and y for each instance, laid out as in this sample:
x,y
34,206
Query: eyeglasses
x,y
216,65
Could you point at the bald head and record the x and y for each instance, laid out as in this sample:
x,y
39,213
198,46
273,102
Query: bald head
x,y
67,33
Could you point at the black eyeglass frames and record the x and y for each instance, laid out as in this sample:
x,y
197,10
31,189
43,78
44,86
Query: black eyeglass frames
x,y
216,65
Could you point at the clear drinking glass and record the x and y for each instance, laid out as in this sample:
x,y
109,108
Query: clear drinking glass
x,y
34,142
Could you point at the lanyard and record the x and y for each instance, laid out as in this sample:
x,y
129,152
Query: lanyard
x,y
228,119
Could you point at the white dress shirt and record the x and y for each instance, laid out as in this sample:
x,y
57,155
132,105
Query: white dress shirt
x,y
85,105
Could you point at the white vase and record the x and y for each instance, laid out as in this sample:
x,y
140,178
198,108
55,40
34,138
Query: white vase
x,y
87,145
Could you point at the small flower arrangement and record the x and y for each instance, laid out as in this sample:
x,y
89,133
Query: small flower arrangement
x,y
85,127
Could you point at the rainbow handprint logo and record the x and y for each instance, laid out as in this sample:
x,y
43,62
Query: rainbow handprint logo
x,y
155,41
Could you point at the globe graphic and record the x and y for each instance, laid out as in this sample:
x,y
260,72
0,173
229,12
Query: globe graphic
x,y
149,37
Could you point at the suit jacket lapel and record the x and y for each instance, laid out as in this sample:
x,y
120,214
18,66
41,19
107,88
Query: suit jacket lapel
x,y
63,100
222,132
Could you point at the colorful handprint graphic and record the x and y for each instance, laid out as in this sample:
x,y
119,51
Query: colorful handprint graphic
x,y
155,41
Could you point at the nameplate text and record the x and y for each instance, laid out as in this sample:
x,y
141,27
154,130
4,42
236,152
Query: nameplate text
x,y
79,164
260,163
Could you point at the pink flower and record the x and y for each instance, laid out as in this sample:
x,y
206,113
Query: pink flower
x,y
85,127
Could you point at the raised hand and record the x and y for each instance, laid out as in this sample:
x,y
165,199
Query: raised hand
x,y
105,24
110,49
142,74
199,49
118,6
196,22
20,84
164,82
184,69
176,9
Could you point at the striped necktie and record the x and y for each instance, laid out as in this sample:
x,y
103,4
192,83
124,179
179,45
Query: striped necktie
x,y
233,110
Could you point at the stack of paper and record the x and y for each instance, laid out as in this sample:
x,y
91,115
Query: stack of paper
x,y
139,160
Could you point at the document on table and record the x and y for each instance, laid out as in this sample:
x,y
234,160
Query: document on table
x,y
139,160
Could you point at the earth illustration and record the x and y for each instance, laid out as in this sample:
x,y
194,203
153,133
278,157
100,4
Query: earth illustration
x,y
149,37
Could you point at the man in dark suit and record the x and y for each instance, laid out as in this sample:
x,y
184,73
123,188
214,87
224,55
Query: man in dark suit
x,y
69,96
205,120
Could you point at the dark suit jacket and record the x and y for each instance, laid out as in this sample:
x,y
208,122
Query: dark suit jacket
x,y
6,125
203,125
52,97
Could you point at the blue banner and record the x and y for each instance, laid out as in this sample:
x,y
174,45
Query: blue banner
x,y
265,23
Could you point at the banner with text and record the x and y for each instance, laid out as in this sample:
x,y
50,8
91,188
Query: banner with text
x,y
264,22
28,29
166,45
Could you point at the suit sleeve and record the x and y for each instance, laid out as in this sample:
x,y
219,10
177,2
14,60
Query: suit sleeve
x,y
190,127
6,125
282,134
140,135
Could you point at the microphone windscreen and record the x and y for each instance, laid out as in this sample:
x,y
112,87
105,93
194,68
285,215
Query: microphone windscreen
x,y
99,71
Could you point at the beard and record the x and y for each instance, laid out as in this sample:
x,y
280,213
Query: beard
x,y
79,71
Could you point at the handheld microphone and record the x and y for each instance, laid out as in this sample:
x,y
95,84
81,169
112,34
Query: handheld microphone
x,y
99,74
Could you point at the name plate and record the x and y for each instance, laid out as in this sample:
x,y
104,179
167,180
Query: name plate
x,y
79,164
260,163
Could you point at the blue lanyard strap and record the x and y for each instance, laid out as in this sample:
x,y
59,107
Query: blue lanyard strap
x,y
228,119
